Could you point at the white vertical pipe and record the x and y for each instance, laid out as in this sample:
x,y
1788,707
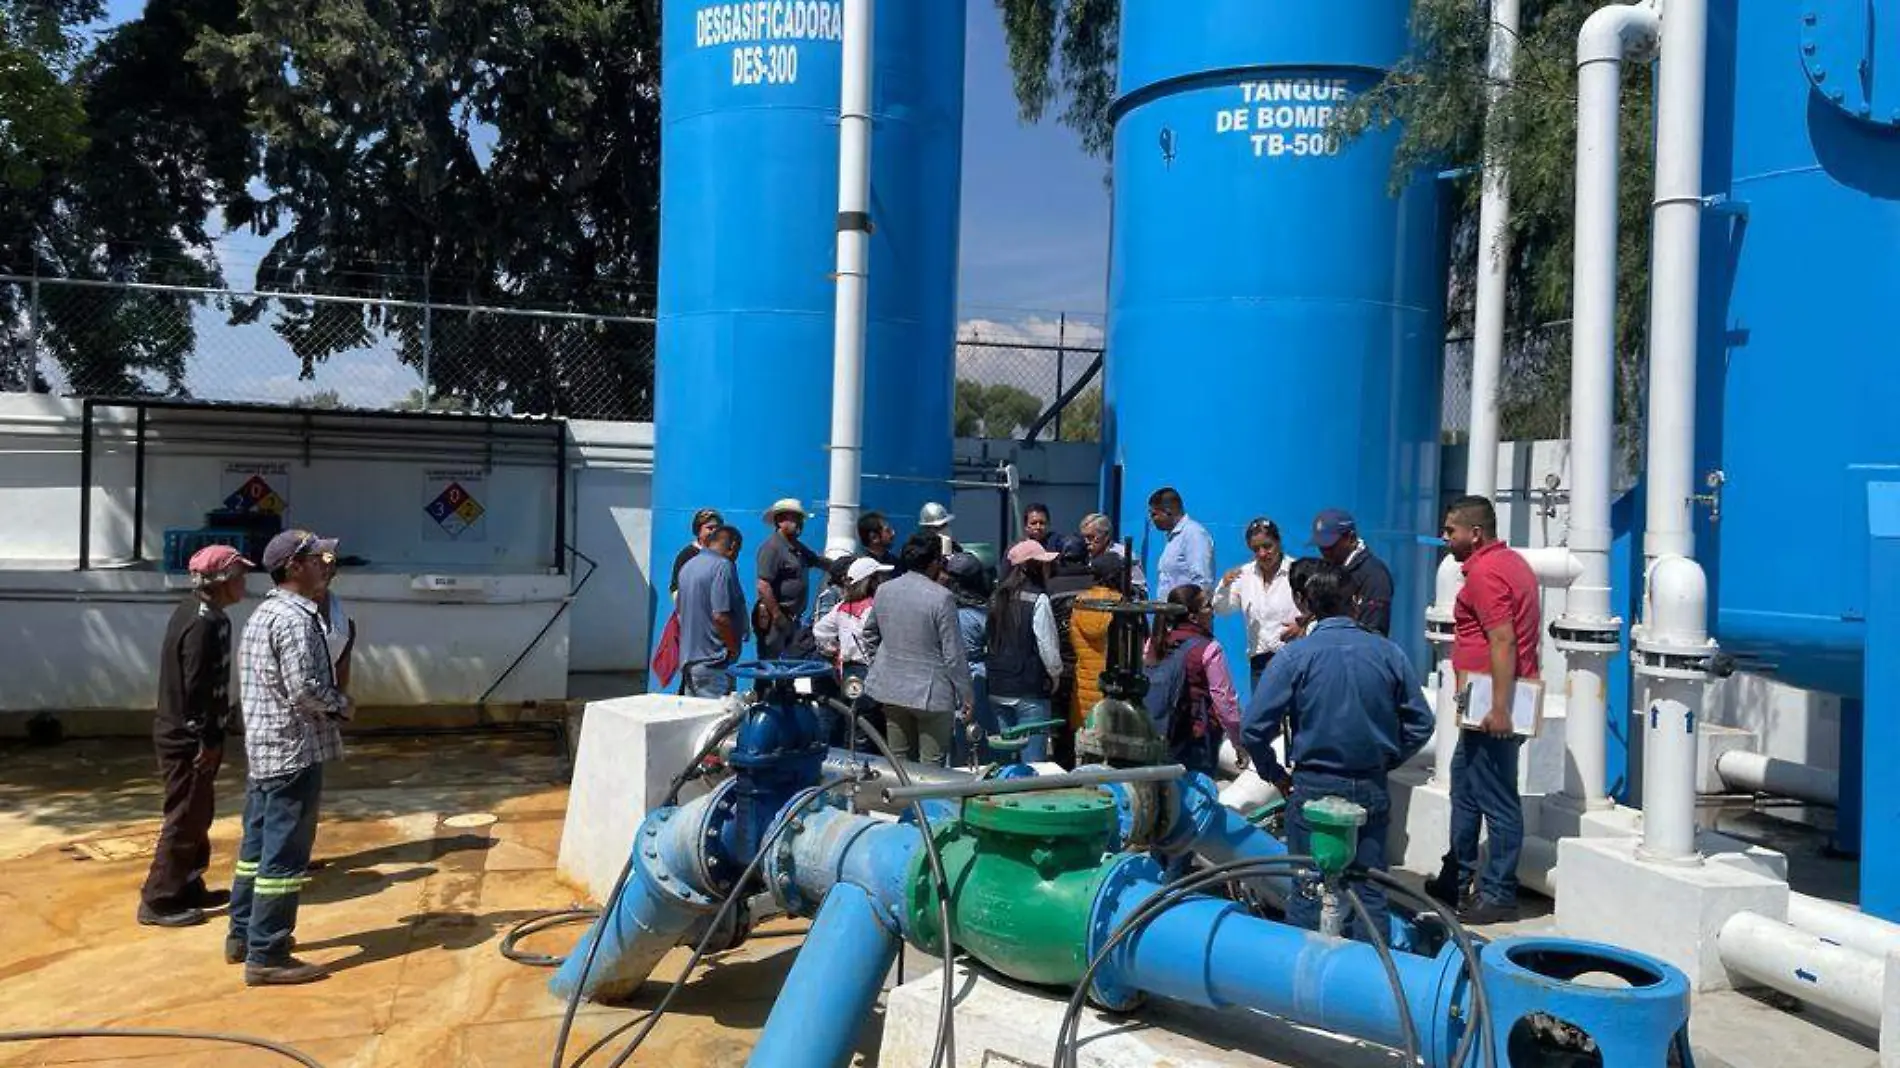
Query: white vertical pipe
x,y
854,254
1678,603
1438,631
1494,255
1609,37
1675,279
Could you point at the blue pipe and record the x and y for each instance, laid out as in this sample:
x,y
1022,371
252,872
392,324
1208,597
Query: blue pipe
x,y
834,847
1211,953
661,902
833,985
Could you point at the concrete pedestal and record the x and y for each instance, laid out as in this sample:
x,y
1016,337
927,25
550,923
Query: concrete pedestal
x,y
630,749
1674,913
1003,1023
1890,1014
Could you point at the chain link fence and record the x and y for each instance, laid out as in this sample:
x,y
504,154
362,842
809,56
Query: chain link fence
x,y
103,339
1533,386
106,339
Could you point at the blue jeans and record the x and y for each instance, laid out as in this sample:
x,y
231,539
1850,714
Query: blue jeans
x,y
1010,711
707,679
280,827
1484,786
1302,907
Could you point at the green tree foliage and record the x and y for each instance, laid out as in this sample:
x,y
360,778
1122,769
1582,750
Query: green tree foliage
x,y
1066,51
130,153
468,151
1082,419
993,411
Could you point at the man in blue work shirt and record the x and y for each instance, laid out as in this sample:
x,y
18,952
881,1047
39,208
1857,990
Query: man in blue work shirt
x,y
1353,711
1188,556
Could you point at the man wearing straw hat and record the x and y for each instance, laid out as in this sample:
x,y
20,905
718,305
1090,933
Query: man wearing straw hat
x,y
194,700
782,586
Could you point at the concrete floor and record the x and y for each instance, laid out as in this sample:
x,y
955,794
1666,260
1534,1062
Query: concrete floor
x,y
434,846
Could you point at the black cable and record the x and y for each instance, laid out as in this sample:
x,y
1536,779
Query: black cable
x,y
1481,1015
541,921
566,603
692,769
1377,938
784,820
145,1032
946,1044
1147,910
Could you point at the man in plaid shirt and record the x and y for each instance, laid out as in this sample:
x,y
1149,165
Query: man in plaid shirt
x,y
293,713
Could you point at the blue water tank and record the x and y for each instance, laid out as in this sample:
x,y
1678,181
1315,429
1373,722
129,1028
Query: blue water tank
x,y
1275,313
748,228
1799,373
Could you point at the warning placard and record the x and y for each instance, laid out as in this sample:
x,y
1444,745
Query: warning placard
x,y
452,507
260,488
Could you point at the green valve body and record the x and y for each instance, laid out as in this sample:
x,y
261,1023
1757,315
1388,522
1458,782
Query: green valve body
x,y
1023,871
1335,824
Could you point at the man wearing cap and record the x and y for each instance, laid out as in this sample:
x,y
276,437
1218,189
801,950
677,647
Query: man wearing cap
x,y
782,563
194,680
1336,536
293,713
1188,556
710,609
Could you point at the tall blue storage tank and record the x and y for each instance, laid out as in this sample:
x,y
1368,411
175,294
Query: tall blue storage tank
x,y
1800,365
748,225
1275,315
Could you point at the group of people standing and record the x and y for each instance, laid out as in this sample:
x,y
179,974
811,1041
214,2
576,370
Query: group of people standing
x,y
928,638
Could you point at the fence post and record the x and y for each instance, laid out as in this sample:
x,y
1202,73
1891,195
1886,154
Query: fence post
x,y
33,333
428,337
1062,333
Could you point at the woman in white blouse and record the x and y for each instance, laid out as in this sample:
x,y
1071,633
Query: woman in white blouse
x,y
1261,592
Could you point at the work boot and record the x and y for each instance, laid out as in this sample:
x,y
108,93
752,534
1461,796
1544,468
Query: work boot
x,y
1446,888
235,950
1486,913
151,917
287,972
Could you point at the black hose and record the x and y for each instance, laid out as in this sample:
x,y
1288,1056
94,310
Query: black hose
x,y
1481,1014
566,602
1177,891
1377,938
541,921
945,1049
692,769
739,887
145,1032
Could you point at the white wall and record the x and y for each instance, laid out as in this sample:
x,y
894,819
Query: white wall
x,y
86,640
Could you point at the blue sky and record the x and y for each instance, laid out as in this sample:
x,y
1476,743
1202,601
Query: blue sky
x,y
1034,244
1035,210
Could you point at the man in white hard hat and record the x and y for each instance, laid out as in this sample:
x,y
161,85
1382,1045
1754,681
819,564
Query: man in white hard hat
x,y
934,518
782,586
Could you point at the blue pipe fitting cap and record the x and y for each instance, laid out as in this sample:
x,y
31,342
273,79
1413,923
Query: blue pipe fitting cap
x,y
1539,1006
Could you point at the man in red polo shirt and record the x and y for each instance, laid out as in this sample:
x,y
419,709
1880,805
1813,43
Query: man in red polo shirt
x,y
1496,622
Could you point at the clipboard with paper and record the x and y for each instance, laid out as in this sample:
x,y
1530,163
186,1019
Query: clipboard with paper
x,y
1527,703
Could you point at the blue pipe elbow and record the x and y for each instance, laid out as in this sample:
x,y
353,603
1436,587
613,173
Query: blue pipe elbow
x,y
830,847
833,985
665,897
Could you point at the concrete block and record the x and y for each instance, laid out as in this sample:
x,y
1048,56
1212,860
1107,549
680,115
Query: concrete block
x,y
630,749
1890,1014
1558,817
1540,765
1712,740
1420,830
1002,1023
1743,856
1673,913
